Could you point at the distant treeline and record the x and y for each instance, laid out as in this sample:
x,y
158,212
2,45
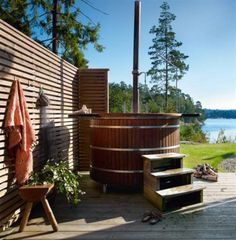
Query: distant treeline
x,y
216,113
152,100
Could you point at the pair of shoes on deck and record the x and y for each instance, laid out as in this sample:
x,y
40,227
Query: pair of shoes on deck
x,y
152,217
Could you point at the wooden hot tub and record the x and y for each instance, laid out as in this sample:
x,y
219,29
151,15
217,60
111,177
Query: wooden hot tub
x,y
119,140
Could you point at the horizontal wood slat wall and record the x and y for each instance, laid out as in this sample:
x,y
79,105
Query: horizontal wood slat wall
x,y
22,58
93,92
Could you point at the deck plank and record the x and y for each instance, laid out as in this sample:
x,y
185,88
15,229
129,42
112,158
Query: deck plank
x,y
118,216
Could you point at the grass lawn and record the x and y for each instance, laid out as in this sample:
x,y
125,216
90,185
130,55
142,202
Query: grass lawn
x,y
212,154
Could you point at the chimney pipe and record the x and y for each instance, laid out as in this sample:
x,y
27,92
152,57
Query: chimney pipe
x,y
137,11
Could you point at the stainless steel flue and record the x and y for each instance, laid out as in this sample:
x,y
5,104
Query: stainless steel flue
x,y
137,14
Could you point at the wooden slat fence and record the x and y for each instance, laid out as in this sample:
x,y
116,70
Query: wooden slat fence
x,y
22,58
67,88
93,92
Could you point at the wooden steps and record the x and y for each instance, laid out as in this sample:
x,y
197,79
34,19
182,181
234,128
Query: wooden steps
x,y
172,172
167,184
161,156
180,190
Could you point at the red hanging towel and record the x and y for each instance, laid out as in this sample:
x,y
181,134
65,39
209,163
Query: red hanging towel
x,y
20,132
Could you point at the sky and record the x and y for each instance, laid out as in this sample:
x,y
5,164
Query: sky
x,y
207,29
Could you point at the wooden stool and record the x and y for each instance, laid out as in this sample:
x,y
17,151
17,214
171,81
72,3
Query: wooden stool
x,y
33,194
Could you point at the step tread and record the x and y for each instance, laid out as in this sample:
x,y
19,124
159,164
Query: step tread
x,y
153,157
175,191
172,172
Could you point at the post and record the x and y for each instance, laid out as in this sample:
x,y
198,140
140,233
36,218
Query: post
x,y
137,10
55,27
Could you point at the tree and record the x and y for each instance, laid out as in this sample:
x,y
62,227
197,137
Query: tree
x,y
152,101
167,61
15,13
120,97
55,24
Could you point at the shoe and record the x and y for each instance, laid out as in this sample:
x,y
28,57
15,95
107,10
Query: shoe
x,y
146,216
156,217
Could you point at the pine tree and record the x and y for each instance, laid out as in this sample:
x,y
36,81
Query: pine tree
x,y
15,13
65,34
54,24
167,61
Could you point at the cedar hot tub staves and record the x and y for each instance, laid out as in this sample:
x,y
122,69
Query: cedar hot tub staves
x,y
118,142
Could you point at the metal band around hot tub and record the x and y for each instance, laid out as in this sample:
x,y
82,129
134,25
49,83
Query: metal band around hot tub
x,y
134,149
136,127
116,171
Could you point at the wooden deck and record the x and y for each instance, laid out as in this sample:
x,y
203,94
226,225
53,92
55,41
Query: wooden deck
x,y
118,216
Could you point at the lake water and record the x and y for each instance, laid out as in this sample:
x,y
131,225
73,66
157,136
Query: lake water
x,y
213,126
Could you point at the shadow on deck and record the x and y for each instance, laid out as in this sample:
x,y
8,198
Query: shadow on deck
x,y
118,216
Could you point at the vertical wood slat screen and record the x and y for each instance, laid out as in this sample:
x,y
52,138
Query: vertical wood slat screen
x,y
93,92
24,59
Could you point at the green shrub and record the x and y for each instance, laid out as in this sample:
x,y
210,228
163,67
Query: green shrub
x,y
65,181
222,138
192,133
